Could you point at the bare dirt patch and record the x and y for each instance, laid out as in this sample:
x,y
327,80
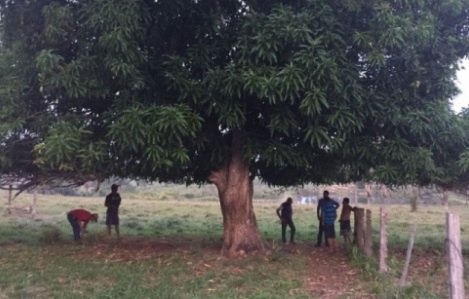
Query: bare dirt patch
x,y
137,249
333,277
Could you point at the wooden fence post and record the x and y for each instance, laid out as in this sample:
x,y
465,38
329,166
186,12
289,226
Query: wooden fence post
x,y
10,194
34,206
445,198
408,255
368,190
10,198
355,194
360,229
368,235
383,241
455,261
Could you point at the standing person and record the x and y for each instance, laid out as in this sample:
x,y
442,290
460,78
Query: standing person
x,y
345,228
285,212
79,219
319,213
112,202
328,216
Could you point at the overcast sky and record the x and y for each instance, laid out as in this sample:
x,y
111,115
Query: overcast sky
x,y
462,100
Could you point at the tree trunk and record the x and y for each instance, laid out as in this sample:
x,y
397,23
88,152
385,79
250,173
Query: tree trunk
x,y
235,190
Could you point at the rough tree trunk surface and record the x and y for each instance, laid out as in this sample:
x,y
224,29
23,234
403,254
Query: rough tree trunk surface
x,y
235,189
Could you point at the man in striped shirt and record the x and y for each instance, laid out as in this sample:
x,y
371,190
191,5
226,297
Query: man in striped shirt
x,y
327,213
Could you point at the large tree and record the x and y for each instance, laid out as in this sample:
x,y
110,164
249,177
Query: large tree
x,y
225,91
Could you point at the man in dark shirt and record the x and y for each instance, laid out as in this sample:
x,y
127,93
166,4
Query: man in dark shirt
x,y
319,211
79,219
285,212
112,202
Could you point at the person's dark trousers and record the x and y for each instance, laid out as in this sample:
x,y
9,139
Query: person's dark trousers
x,y
290,223
320,235
75,227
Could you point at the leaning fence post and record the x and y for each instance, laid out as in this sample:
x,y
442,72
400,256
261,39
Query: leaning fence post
x,y
383,241
455,261
408,255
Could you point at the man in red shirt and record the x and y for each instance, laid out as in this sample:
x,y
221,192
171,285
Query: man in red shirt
x,y
79,219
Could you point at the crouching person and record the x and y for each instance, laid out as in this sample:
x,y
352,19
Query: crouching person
x,y
79,219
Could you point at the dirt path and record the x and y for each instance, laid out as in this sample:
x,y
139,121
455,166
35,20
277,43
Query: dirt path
x,y
333,277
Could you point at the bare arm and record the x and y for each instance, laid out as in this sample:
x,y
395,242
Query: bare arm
x,y
278,211
336,204
83,227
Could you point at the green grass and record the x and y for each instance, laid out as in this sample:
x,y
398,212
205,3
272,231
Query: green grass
x,y
65,271
170,250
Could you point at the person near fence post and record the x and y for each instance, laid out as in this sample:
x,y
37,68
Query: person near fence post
x,y
328,216
345,227
319,213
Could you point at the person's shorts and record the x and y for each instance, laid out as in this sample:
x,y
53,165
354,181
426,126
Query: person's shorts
x,y
112,218
329,231
345,227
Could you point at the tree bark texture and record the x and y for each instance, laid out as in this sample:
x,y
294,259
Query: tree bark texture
x,y
235,190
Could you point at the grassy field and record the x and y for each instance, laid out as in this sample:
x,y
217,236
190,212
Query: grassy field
x,y
170,250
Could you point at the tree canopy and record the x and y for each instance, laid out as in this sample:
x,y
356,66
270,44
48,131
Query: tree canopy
x,y
322,91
